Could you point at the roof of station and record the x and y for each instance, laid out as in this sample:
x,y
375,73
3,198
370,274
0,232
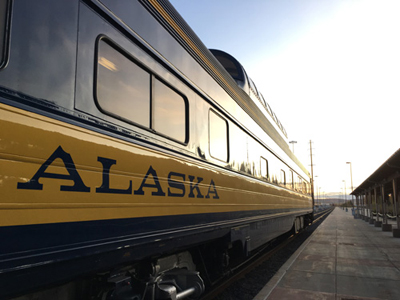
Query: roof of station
x,y
389,170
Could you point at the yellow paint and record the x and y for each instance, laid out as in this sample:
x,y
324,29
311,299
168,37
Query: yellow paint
x,y
27,140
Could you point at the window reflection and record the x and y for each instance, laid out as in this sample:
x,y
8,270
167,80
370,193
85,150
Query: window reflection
x,y
282,180
123,88
238,148
169,112
290,180
299,184
264,168
3,30
218,137
305,187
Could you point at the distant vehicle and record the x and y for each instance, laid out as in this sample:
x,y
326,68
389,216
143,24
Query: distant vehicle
x,y
134,162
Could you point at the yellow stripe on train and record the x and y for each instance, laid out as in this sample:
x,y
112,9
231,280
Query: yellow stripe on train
x,y
51,171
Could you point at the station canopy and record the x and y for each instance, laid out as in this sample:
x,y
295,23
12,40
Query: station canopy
x,y
384,175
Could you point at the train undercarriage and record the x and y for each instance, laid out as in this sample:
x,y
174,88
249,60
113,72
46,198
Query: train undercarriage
x,y
186,274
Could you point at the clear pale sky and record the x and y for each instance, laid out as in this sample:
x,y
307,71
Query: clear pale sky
x,y
329,69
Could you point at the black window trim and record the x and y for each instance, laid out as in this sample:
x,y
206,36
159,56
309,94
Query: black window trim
x,y
119,49
227,135
185,99
261,162
4,58
283,173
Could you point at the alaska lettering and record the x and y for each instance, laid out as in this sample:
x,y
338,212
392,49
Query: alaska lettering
x,y
177,185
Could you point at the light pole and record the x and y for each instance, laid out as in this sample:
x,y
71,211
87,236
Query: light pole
x,y
345,198
293,142
351,175
316,188
319,195
340,198
351,178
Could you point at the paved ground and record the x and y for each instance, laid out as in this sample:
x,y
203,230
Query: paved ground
x,y
345,259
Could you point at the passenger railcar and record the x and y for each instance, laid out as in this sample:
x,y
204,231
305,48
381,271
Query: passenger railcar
x,y
134,162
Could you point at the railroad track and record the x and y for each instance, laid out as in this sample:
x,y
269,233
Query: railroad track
x,y
321,214
264,255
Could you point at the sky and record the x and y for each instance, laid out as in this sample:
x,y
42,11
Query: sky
x,y
330,70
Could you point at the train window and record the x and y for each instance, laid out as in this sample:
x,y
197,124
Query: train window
x,y
284,131
4,26
262,99
169,112
218,133
231,65
123,87
289,180
264,168
275,118
127,91
304,187
253,86
298,184
272,169
282,180
268,108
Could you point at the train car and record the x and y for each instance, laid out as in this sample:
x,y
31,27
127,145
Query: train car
x,y
134,162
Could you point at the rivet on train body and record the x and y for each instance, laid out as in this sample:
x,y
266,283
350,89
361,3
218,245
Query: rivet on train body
x,y
176,181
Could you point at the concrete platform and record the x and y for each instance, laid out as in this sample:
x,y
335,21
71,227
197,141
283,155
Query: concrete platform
x,y
345,259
